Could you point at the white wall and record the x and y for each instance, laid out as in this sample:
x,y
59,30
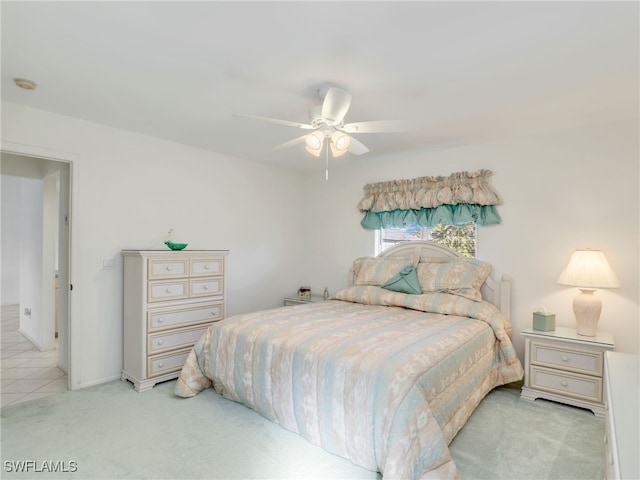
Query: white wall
x,y
10,240
561,191
128,190
31,255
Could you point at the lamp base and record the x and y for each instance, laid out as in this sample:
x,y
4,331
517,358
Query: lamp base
x,y
586,308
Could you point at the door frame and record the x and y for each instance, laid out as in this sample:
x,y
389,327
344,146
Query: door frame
x,y
71,352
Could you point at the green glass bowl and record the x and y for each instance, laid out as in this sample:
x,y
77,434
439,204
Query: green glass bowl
x,y
175,246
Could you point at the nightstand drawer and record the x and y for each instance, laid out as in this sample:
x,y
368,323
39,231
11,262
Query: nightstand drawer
x,y
289,302
295,300
580,361
584,387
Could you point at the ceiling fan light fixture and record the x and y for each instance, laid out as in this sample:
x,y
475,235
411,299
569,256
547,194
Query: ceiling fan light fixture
x,y
315,153
313,142
339,143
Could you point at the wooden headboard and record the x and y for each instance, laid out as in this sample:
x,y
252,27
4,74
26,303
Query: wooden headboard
x,y
497,293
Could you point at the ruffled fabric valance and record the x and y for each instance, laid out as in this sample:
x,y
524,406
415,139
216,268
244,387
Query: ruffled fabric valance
x,y
458,199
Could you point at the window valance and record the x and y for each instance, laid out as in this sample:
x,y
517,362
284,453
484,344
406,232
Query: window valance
x,y
428,201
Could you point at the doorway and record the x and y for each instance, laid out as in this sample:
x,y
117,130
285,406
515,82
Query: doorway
x,y
36,252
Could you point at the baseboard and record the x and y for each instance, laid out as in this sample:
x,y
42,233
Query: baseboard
x,y
31,339
93,383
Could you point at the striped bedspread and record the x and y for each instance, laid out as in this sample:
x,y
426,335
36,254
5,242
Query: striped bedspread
x,y
384,379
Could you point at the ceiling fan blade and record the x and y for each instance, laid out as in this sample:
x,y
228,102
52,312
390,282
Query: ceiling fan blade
x,y
290,143
356,147
277,121
335,105
380,126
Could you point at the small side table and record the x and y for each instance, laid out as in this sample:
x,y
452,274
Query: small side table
x,y
565,367
295,300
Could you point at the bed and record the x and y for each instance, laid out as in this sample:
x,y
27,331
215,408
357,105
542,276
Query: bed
x,y
376,374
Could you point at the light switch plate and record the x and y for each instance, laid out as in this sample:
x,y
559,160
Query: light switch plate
x,y
108,263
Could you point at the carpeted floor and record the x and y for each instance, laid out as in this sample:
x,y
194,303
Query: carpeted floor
x,y
112,432
510,438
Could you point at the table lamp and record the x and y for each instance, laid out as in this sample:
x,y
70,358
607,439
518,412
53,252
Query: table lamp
x,y
588,270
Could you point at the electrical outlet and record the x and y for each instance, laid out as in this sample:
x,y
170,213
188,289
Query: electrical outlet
x,y
27,312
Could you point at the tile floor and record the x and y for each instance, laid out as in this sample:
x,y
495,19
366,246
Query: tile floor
x,y
26,373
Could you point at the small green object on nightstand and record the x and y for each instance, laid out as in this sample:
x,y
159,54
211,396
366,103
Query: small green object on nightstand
x,y
175,246
544,321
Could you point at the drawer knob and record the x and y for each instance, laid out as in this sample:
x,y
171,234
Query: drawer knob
x,y
564,383
168,290
206,267
160,364
160,320
565,358
169,267
214,313
160,342
206,287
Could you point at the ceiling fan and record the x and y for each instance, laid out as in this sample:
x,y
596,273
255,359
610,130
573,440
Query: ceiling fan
x,y
328,129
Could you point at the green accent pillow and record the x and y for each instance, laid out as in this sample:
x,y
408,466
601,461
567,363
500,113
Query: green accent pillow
x,y
405,281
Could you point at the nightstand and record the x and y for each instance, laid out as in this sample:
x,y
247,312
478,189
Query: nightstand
x,y
565,367
295,300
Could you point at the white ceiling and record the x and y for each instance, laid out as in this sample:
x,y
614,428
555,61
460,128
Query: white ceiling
x,y
465,71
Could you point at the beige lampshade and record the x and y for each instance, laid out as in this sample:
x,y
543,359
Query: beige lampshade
x,y
589,269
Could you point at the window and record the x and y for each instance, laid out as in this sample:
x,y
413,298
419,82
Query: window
x,y
462,239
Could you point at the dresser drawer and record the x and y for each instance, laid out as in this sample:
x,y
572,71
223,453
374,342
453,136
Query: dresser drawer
x,y
584,387
161,319
167,290
168,268
204,287
201,267
581,361
162,341
165,363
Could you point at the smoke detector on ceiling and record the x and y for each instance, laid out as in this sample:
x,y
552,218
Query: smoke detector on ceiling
x,y
24,83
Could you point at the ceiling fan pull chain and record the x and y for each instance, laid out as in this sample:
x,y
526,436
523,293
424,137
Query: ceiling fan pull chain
x,y
326,161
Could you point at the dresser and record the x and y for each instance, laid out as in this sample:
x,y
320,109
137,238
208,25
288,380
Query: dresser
x,y
622,393
562,366
170,299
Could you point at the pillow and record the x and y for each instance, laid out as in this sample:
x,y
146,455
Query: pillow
x,y
376,271
457,276
405,281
